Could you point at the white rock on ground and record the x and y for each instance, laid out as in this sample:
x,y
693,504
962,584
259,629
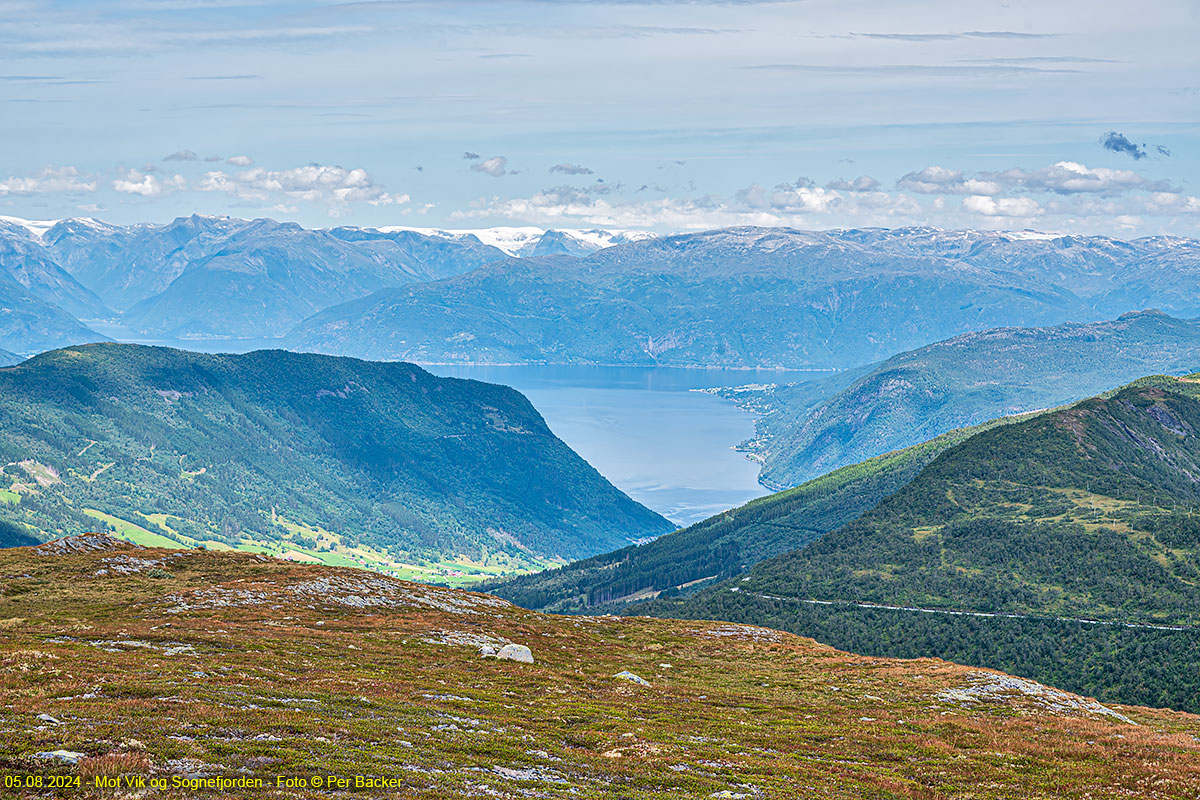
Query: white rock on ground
x,y
626,675
69,756
515,652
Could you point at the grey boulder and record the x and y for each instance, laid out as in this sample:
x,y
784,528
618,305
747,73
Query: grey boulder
x,y
515,652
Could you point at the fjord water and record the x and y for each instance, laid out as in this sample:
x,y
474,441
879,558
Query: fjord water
x,y
643,428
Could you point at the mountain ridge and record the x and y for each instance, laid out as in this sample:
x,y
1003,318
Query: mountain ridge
x,y
1020,538
919,394
726,545
300,450
759,297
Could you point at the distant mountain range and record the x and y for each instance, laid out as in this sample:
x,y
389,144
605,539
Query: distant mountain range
x,y
524,242
744,297
29,324
1064,548
312,452
220,277
749,297
812,428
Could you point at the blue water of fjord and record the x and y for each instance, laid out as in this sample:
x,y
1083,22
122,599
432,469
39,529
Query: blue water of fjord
x,y
644,429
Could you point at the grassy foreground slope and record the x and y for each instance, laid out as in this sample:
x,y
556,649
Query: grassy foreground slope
x,y
729,543
1009,548
303,453
191,664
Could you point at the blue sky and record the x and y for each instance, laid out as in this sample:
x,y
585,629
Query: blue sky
x,y
1064,116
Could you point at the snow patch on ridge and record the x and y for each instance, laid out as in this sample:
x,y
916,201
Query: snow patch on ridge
x,y
521,241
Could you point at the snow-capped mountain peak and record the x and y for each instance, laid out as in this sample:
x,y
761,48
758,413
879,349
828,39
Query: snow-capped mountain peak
x,y
523,241
35,227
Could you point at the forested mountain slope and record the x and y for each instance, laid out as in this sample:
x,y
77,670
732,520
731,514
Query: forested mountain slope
x,y
727,544
280,446
1090,513
917,395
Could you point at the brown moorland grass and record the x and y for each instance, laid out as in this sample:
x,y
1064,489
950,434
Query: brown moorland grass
x,y
240,665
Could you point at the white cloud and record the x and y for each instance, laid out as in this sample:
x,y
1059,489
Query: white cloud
x,y
315,183
787,204
49,179
801,199
241,161
1071,177
570,169
863,183
496,167
939,180
145,184
1019,207
1063,177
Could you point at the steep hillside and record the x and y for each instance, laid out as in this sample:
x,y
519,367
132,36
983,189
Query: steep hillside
x,y
202,276
127,264
760,297
12,535
914,396
202,668
1016,542
30,325
7,359
28,264
310,453
267,276
728,544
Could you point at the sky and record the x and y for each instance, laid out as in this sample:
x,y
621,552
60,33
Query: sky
x,y
667,115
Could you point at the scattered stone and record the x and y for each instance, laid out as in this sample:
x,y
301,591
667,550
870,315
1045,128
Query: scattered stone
x,y
744,632
515,652
487,651
626,675
475,639
1003,689
453,698
133,744
368,591
85,543
529,774
639,749
66,756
